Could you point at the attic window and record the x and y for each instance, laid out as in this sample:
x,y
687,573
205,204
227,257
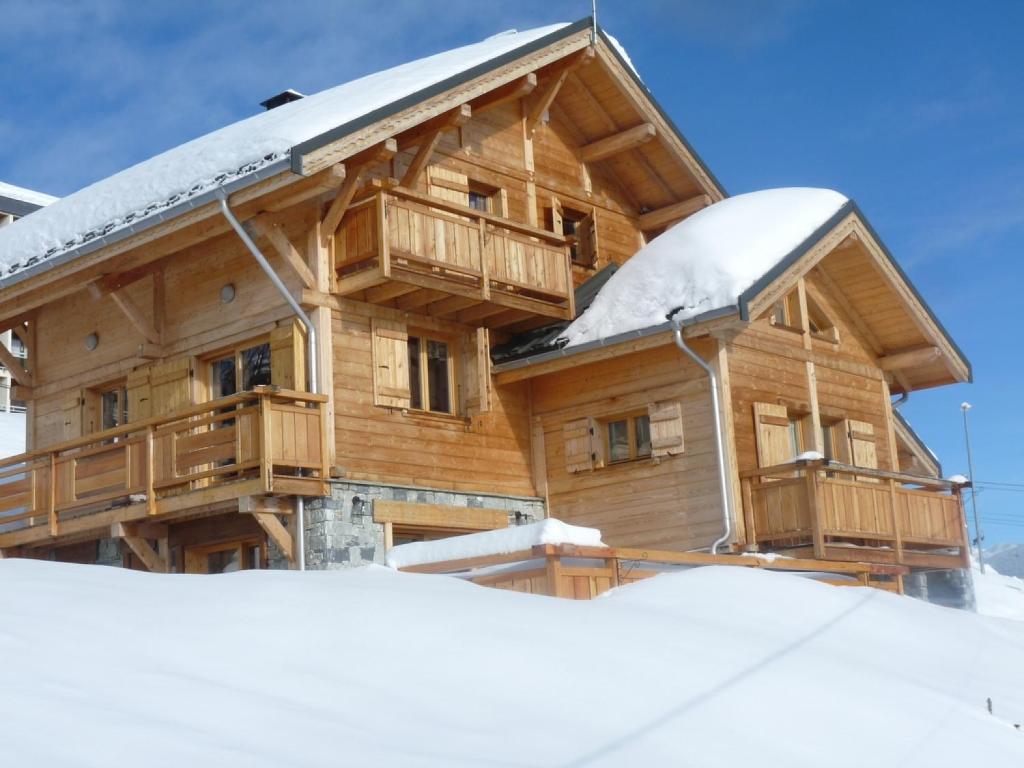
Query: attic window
x,y
819,324
579,230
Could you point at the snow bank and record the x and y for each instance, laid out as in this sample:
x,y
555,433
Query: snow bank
x,y
25,195
707,667
236,150
706,261
501,542
996,594
12,434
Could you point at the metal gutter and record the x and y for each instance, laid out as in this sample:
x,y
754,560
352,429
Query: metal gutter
x,y
16,207
311,346
610,341
171,212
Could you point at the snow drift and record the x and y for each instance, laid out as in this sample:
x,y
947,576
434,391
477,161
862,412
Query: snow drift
x,y
709,667
706,261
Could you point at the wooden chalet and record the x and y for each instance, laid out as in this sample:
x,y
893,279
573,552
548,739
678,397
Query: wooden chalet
x,y
181,418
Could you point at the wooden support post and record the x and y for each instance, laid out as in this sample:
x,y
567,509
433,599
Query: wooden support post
x,y
130,310
513,91
332,219
485,277
748,514
277,533
51,501
554,575
897,531
14,367
285,249
420,159
543,101
140,547
383,238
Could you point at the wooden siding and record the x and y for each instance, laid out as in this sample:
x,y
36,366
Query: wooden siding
x,y
672,502
489,452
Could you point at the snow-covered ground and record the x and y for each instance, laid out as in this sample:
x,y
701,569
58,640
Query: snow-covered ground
x,y
12,434
997,594
709,667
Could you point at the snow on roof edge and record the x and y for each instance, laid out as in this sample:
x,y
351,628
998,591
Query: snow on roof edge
x,y
155,211
25,195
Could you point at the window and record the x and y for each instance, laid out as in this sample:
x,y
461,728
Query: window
x,y
430,375
579,230
485,198
629,438
249,366
113,407
819,324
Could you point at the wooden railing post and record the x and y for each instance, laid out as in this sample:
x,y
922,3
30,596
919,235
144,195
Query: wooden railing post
x,y
149,463
747,500
485,271
382,235
51,501
897,531
266,444
814,511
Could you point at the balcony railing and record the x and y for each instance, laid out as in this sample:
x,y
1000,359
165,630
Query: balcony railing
x,y
399,237
840,512
259,442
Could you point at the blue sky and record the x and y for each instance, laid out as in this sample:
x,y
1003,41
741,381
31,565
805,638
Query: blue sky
x,y
913,109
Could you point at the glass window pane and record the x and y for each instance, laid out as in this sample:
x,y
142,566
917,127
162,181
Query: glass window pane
x,y
222,377
642,424
415,382
478,201
618,440
794,438
110,410
255,367
437,376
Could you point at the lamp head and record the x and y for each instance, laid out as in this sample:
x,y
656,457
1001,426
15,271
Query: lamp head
x,y
965,406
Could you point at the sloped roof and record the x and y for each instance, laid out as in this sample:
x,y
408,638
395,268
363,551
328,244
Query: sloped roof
x,y
153,187
20,201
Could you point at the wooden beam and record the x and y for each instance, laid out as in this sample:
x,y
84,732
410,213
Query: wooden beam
x,y
451,304
478,313
14,367
387,292
670,214
420,159
140,547
453,118
277,533
285,248
420,298
513,91
358,163
130,310
909,358
618,142
544,100
323,181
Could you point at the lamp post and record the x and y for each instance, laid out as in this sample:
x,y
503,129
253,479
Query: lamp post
x,y
965,407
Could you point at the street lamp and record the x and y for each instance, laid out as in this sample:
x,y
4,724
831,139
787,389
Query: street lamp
x,y
965,407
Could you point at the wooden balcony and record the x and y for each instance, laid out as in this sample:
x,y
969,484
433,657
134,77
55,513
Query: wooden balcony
x,y
247,445
838,512
405,249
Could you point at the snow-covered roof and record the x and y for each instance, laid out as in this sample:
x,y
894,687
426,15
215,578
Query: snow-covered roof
x,y
504,541
148,189
705,262
22,195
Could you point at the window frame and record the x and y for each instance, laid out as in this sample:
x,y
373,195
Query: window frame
x,y
235,351
423,339
630,418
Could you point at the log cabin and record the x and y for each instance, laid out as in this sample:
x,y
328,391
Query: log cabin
x,y
380,314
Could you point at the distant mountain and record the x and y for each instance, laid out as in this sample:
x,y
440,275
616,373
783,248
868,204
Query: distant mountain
x,y
1006,558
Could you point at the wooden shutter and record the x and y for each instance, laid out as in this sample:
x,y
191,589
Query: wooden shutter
x,y
586,240
476,372
92,411
170,386
771,426
448,185
584,445
666,428
390,364
857,443
556,216
288,356
72,409
137,383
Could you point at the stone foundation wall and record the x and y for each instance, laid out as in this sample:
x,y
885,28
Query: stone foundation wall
x,y
340,530
953,589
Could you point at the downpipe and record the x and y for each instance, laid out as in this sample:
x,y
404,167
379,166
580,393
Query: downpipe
x,y
311,346
723,479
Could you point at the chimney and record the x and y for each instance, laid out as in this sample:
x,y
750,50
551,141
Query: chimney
x,y
282,98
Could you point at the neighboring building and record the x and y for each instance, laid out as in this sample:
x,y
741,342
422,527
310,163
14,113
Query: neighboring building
x,y
442,224
15,202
